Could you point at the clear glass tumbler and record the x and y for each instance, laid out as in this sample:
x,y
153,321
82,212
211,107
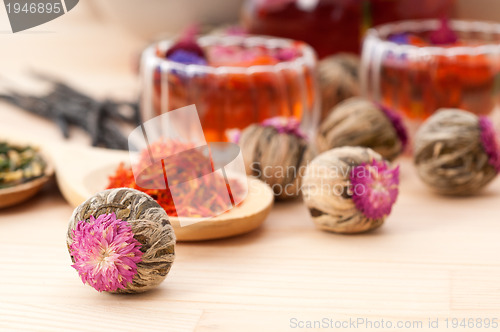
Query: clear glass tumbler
x,y
418,80
232,97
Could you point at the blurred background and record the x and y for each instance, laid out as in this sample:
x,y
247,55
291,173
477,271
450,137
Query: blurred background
x,y
150,18
97,46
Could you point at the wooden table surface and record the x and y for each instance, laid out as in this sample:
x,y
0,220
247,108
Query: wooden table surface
x,y
435,258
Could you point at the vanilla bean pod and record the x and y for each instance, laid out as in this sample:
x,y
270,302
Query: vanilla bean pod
x,y
66,106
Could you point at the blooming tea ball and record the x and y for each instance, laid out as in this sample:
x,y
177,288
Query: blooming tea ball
x,y
338,77
350,189
456,152
121,241
359,122
276,152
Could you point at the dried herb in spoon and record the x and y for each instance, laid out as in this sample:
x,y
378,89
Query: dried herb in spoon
x,y
19,164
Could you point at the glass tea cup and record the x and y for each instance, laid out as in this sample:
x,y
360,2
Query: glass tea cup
x,y
416,80
232,97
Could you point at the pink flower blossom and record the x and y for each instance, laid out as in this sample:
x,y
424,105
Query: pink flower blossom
x,y
285,125
490,142
105,252
398,124
242,56
374,188
189,44
287,54
444,35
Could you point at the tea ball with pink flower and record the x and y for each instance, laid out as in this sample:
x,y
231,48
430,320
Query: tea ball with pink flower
x,y
276,151
457,152
350,189
121,241
358,121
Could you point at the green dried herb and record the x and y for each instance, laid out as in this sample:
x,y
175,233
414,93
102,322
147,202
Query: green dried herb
x,y
19,164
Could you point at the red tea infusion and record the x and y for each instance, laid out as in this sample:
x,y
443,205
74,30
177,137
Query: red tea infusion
x,y
418,67
234,81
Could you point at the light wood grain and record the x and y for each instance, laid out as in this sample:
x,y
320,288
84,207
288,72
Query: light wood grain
x,y
434,256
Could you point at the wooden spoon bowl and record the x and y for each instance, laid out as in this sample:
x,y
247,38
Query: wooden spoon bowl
x,y
82,172
19,193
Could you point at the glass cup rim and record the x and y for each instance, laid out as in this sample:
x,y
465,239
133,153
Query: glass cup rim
x,y
380,33
307,57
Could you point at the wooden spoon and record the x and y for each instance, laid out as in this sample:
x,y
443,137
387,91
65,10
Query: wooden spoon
x,y
83,171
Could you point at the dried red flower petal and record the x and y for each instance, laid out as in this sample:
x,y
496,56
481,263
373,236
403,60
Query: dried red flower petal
x,y
197,200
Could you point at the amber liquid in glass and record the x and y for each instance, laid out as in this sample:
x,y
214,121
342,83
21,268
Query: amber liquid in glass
x,y
418,88
234,100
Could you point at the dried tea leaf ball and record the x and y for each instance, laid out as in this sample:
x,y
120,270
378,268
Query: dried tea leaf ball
x,y
456,152
338,77
121,241
360,122
275,152
350,189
